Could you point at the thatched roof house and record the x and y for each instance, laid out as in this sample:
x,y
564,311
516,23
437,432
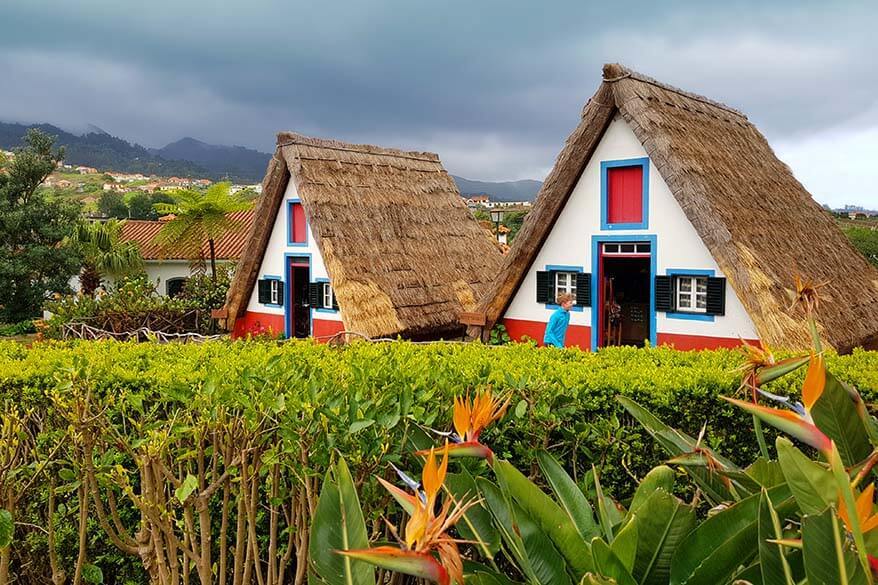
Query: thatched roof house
x,y
720,225
359,238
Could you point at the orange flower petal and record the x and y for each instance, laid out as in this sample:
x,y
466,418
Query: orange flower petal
x,y
815,381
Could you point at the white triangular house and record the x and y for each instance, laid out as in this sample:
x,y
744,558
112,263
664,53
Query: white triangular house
x,y
673,222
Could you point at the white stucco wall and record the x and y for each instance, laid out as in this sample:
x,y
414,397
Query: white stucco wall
x,y
273,261
159,272
678,245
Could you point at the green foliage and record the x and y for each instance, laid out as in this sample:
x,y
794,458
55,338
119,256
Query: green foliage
x,y
864,239
207,292
130,303
22,328
142,205
499,335
32,227
103,253
112,204
201,217
7,528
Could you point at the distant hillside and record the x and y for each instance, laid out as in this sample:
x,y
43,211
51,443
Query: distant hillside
x,y
525,190
234,161
102,151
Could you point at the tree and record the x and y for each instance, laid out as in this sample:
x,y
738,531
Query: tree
x,y
111,204
199,217
33,224
142,205
103,253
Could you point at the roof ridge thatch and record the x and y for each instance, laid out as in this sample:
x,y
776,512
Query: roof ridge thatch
x,y
294,138
759,223
613,72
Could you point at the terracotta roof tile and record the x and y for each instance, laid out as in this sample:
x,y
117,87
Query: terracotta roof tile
x,y
228,247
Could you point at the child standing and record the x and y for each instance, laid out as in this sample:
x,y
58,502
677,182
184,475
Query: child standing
x,y
556,329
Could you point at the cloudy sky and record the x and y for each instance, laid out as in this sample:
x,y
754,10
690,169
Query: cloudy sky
x,y
494,86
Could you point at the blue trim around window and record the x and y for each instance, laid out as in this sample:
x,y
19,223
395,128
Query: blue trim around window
x,y
288,306
684,315
596,242
322,310
563,268
272,277
290,242
631,162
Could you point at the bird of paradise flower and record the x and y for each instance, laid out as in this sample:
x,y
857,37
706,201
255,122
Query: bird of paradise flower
x,y
426,549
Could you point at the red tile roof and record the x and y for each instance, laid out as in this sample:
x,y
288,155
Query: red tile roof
x,y
228,247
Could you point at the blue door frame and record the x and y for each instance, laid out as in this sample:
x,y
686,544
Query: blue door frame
x,y
291,294
597,301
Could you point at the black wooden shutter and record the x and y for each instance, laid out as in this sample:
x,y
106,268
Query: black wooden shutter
x,y
545,287
315,295
664,293
716,296
264,291
280,292
583,289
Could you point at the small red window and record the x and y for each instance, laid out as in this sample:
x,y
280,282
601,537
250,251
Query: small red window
x,y
297,223
625,194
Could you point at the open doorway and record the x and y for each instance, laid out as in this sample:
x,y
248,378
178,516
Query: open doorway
x,y
298,307
624,294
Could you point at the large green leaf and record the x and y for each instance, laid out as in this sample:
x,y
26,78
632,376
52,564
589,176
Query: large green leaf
x,y
501,510
828,556
711,553
7,527
677,443
835,413
338,525
811,484
570,497
535,552
662,522
476,524
658,478
772,563
624,546
608,564
551,519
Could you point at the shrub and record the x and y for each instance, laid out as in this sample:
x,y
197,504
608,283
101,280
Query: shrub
x,y
292,407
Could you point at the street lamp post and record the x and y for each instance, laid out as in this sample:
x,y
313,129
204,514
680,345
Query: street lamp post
x,y
496,215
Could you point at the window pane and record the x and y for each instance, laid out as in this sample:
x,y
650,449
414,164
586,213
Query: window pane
x,y
683,302
701,284
685,285
701,301
611,248
627,248
643,248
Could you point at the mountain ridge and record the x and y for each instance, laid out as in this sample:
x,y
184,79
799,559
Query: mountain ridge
x,y
190,157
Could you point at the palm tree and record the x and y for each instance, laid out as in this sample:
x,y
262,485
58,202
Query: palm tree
x,y
199,217
103,253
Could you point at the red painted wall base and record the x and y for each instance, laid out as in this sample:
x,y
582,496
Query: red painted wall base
x,y
253,323
518,329
580,335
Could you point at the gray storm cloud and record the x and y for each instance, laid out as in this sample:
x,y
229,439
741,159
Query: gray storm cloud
x,y
493,86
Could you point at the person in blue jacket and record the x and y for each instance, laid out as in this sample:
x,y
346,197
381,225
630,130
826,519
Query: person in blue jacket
x,y
556,328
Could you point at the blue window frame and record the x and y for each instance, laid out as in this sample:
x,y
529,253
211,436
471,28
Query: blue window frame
x,y
277,279
684,315
596,242
562,268
290,242
321,310
631,162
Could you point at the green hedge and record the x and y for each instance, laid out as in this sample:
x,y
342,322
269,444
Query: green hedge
x,y
369,401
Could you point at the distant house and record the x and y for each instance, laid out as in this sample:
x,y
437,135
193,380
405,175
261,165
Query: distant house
x,y
169,268
671,220
359,238
86,170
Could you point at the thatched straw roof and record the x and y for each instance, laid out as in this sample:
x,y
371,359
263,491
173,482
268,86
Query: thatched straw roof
x,y
759,223
404,255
